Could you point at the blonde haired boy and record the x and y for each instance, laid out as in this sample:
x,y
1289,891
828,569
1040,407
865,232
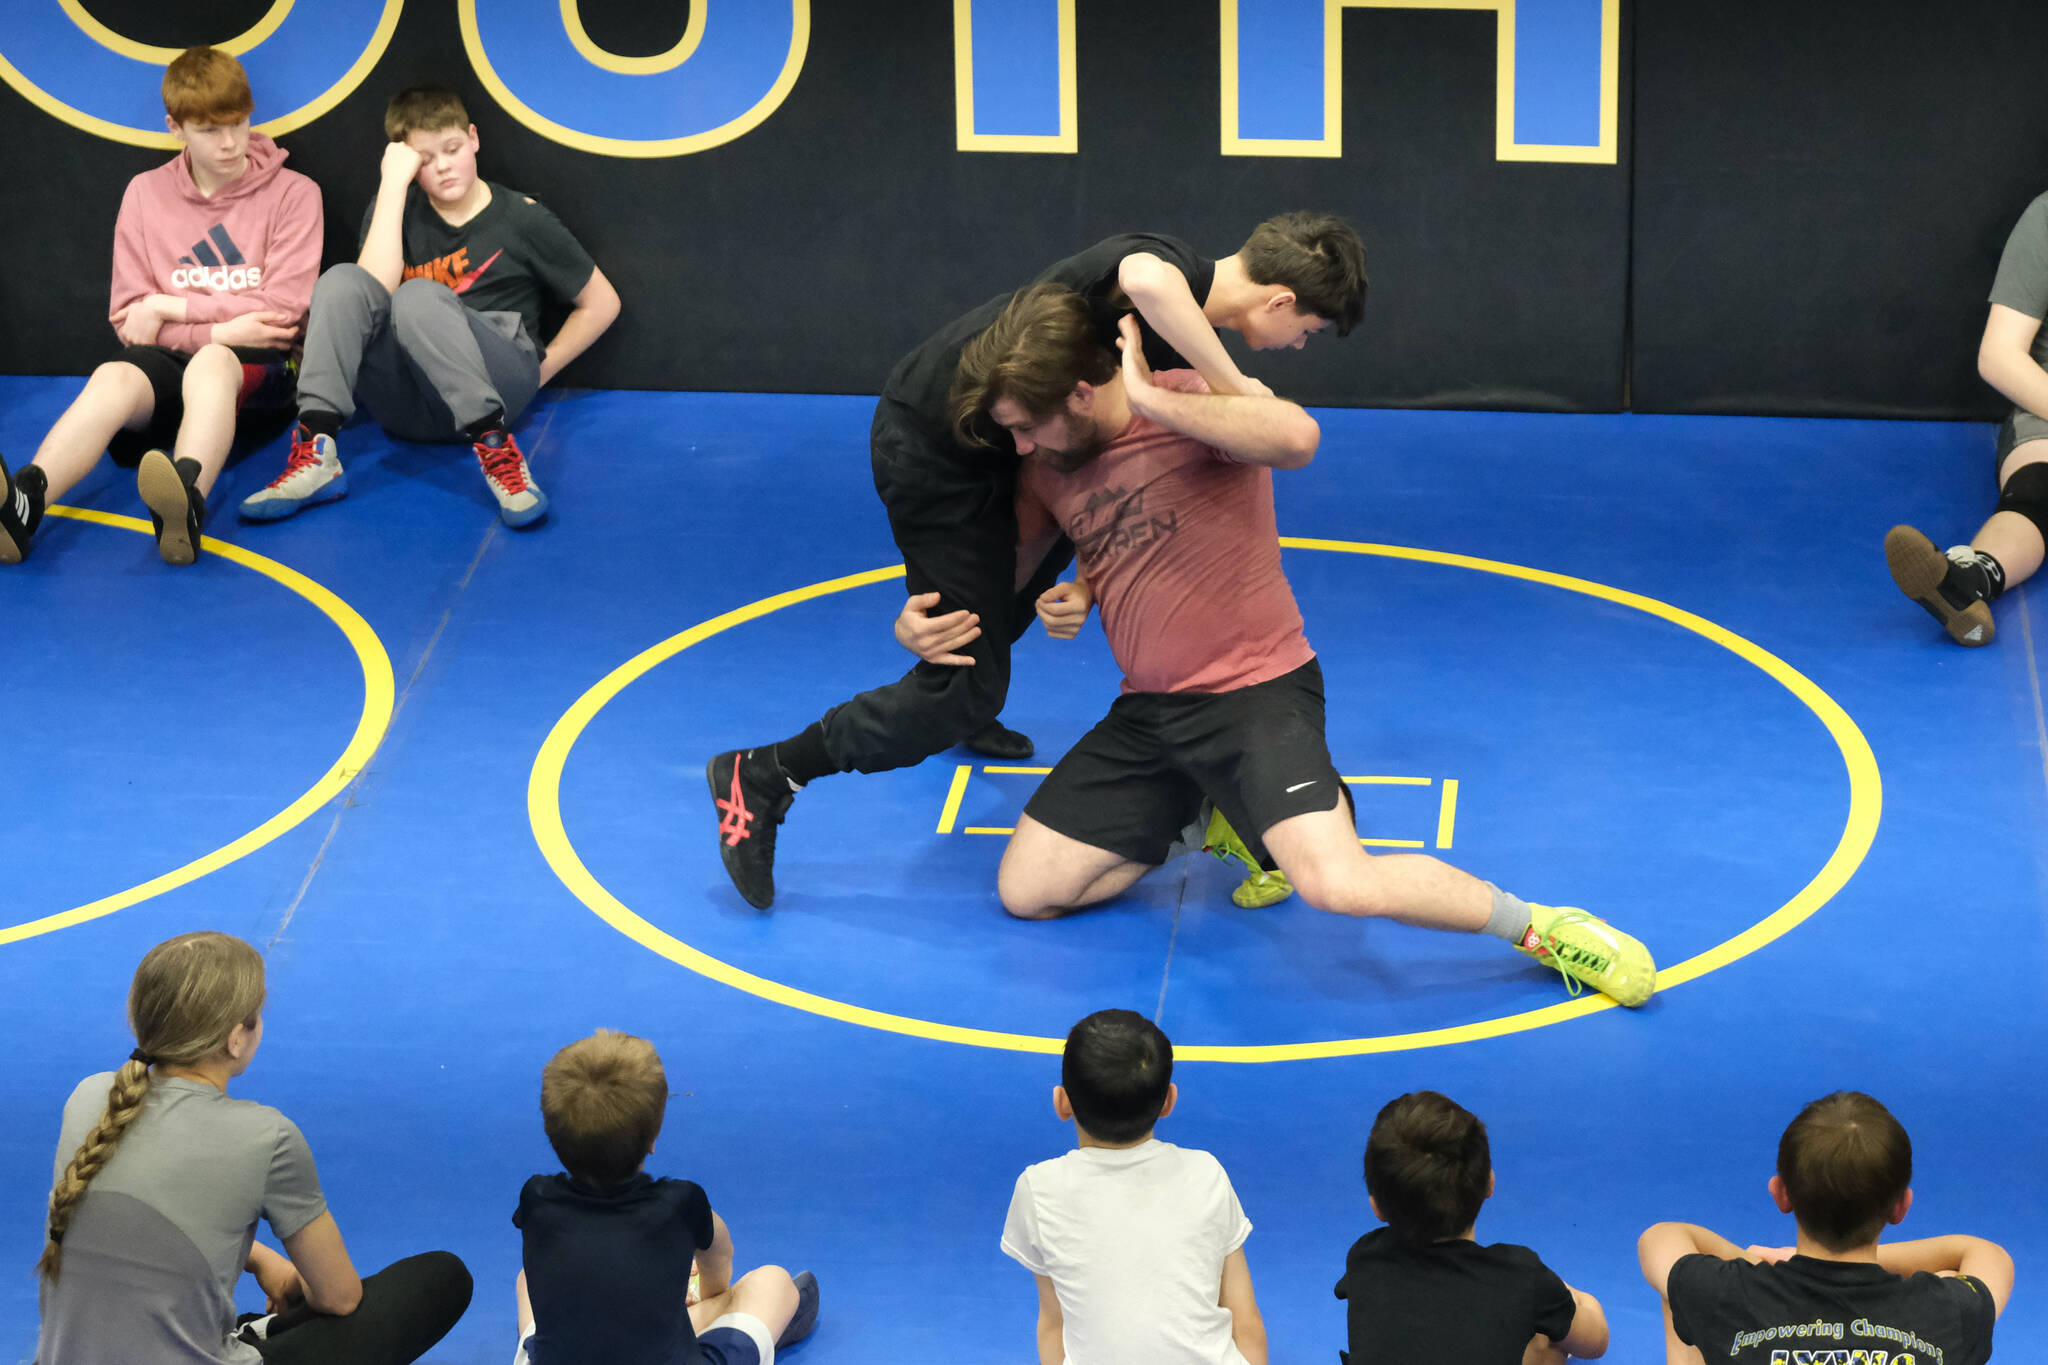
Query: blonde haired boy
x,y
608,1248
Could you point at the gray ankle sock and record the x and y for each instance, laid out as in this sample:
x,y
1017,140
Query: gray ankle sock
x,y
1510,917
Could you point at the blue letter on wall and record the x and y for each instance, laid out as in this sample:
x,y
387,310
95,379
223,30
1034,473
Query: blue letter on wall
x,y
1557,76
1013,75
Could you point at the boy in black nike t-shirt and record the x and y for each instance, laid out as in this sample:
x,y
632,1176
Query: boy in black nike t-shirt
x,y
1845,1168
435,327
1422,1288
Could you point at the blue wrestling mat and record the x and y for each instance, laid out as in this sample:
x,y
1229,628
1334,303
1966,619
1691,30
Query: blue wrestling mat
x,y
449,777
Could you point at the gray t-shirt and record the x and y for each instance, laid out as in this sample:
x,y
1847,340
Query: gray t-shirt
x,y
161,1237
2022,281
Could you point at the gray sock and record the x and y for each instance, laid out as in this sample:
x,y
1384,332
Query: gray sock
x,y
1510,917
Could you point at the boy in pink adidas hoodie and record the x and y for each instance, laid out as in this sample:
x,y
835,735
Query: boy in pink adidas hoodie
x,y
215,254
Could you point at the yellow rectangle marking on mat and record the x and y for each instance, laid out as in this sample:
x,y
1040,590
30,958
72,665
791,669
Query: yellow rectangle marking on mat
x,y
1447,813
992,829
998,768
951,812
1391,843
1388,781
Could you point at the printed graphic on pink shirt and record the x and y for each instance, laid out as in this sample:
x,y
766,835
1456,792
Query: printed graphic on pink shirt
x,y
216,263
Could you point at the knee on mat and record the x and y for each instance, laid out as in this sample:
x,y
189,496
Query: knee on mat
x,y
1022,901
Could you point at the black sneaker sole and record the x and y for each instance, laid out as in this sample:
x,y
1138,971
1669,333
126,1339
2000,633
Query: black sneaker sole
x,y
1918,566
805,1320
761,898
170,501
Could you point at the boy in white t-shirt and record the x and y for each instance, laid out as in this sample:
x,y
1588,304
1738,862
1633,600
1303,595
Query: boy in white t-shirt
x,y
1138,1245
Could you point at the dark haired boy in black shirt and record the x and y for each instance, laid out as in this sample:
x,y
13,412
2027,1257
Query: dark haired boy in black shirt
x,y
1422,1288
1845,1168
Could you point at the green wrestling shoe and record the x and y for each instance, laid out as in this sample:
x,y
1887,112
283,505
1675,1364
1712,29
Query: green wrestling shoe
x,y
1589,951
1259,889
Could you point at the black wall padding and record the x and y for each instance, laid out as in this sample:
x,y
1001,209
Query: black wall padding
x,y
1822,191
808,254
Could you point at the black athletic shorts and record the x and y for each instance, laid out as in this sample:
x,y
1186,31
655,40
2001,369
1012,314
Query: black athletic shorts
x,y
269,384
1138,777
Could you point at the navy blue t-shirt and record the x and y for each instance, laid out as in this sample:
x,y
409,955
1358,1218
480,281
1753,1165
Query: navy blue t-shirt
x,y
608,1270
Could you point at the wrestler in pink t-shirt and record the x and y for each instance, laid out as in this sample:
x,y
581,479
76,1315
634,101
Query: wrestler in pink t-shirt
x,y
1179,543
1166,490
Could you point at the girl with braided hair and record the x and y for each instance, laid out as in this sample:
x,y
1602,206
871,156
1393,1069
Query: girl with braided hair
x,y
161,1178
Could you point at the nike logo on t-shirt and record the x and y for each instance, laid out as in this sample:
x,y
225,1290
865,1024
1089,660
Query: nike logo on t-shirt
x,y
462,285
1299,785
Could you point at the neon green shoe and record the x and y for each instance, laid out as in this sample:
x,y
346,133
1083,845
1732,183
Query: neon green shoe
x,y
1588,951
1261,887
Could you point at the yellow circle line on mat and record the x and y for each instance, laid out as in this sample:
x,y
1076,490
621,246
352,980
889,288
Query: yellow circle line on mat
x,y
375,719
543,800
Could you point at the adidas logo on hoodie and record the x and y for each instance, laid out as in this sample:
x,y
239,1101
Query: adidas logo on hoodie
x,y
225,272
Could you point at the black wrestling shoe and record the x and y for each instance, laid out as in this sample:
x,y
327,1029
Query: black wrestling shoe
x,y
176,506
21,510
996,740
752,794
1954,587
805,1319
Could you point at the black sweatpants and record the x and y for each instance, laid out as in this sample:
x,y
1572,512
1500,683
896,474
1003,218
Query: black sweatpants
x,y
954,517
407,1307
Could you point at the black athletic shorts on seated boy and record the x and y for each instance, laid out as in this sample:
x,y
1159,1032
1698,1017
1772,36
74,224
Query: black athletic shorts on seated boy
x,y
268,393
1139,776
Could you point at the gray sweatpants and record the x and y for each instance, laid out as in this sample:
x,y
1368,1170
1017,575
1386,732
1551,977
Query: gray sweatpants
x,y
424,365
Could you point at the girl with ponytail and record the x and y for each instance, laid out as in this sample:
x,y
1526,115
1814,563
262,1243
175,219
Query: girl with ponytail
x,y
161,1179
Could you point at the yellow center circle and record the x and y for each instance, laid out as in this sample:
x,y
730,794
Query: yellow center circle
x,y
370,727
543,802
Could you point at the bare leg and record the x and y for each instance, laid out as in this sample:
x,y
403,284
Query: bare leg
x,y
208,428
766,1293
1045,873
1677,1352
117,397
1321,855
2008,537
